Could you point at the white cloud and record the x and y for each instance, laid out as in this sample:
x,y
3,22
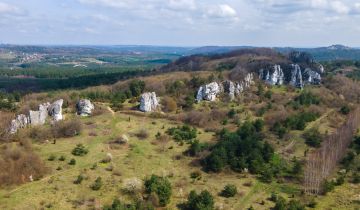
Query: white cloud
x,y
320,4
222,11
108,3
7,8
339,7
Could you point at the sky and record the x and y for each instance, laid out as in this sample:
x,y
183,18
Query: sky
x,y
268,23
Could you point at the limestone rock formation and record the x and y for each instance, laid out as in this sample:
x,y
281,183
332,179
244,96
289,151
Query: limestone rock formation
x,y
275,76
312,77
296,76
229,88
148,102
39,117
84,107
21,121
209,92
55,110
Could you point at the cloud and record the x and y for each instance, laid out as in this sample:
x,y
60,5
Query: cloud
x,y
108,3
182,4
7,8
221,11
339,7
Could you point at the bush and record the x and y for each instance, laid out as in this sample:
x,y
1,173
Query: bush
x,y
67,129
62,158
79,150
182,133
196,147
279,130
313,137
202,201
118,205
328,186
132,185
242,149
97,184
298,121
229,190
161,187
307,98
136,87
51,158
142,134
345,110
18,163
72,162
169,104
79,179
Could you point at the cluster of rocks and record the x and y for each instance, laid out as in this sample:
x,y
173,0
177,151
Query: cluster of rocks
x,y
39,117
293,75
149,102
54,111
211,91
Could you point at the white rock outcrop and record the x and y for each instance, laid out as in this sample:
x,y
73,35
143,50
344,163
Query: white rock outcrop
x,y
312,77
84,107
230,89
275,76
149,102
55,110
296,76
21,121
209,92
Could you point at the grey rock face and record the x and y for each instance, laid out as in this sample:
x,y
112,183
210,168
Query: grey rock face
x,y
229,88
55,110
84,107
148,102
296,76
275,76
39,117
21,121
312,77
209,92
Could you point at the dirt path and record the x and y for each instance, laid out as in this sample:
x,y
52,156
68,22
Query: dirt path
x,y
111,111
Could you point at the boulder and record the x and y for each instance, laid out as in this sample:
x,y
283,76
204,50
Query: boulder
x,y
209,92
55,110
21,121
148,102
84,107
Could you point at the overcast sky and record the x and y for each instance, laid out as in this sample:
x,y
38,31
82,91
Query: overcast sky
x,y
296,23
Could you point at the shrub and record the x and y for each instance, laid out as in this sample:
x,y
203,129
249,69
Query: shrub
x,y
97,184
279,130
18,163
161,187
298,121
229,190
182,133
345,110
67,129
118,205
313,137
79,150
328,186
307,98
196,147
195,175
132,185
231,113
51,158
169,104
202,201
136,87
62,158
142,134
72,162
79,179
